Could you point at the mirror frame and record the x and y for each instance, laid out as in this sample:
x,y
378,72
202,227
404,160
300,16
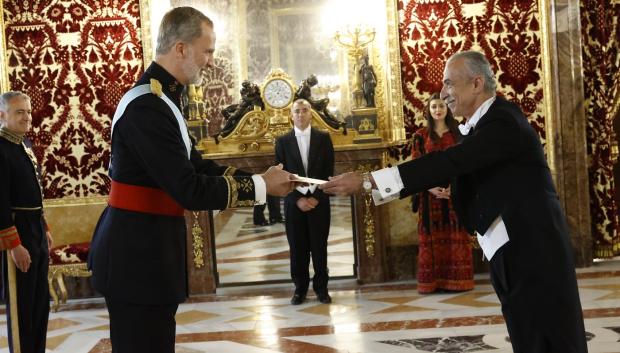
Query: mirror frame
x,y
389,88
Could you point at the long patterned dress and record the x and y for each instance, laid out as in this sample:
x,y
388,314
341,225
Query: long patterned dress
x,y
445,253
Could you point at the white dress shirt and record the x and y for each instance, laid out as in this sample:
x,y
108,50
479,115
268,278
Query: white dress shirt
x,y
389,184
303,143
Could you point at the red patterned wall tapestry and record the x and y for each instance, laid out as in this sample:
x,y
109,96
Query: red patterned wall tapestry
x,y
600,26
75,59
506,31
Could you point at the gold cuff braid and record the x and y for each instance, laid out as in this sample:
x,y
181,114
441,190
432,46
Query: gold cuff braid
x,y
233,191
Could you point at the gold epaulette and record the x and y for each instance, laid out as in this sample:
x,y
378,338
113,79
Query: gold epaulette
x,y
233,191
156,88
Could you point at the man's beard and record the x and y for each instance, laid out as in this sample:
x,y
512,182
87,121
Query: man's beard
x,y
192,71
194,74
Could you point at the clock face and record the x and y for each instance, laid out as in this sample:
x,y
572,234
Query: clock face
x,y
278,93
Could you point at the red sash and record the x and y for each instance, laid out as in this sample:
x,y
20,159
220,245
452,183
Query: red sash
x,y
143,199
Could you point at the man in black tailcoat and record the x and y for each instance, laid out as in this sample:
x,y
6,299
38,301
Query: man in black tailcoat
x,y
501,189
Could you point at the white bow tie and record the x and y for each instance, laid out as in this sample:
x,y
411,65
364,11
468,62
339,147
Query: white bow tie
x,y
304,133
465,128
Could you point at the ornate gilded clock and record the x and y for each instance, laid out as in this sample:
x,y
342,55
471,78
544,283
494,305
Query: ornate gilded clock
x,y
278,93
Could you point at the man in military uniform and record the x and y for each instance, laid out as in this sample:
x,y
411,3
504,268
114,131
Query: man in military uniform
x,y
138,251
23,231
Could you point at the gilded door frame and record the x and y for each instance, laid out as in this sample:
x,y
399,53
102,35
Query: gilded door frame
x,y
4,76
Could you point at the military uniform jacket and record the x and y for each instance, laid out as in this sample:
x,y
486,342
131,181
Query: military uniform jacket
x,y
21,201
140,257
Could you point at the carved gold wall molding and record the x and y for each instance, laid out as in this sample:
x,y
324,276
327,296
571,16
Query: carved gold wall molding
x,y
394,84
197,241
4,76
550,91
368,219
369,226
382,117
147,40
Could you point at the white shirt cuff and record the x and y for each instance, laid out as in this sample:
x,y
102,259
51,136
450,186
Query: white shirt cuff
x,y
494,238
388,181
260,190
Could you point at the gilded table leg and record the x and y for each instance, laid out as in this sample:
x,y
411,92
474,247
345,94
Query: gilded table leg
x,y
50,281
60,279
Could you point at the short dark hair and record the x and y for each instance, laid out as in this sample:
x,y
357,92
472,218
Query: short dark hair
x,y
180,24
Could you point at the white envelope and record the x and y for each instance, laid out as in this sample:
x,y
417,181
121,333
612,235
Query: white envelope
x,y
308,180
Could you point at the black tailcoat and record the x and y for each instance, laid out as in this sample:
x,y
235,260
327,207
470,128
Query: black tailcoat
x,y
500,169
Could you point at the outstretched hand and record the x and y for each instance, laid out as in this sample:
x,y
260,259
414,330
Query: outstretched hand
x,y
279,182
344,184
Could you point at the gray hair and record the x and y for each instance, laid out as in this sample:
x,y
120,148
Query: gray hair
x,y
6,97
180,24
477,64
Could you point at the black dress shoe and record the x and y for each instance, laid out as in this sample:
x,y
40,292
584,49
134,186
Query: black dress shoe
x,y
297,299
262,223
324,298
276,220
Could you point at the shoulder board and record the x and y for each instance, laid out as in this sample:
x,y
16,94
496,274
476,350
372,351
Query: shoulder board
x,y
156,88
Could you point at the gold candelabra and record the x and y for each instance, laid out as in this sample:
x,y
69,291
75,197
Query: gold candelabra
x,y
355,41
196,104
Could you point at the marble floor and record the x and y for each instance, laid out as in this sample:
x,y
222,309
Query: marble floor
x,y
387,318
248,253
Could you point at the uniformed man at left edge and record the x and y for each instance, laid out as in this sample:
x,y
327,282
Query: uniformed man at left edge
x,y
138,251
23,231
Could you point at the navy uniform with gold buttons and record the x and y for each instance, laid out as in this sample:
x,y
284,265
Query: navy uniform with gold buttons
x,y
138,250
22,222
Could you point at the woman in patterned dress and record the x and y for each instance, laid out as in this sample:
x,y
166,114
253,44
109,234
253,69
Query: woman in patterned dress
x,y
445,253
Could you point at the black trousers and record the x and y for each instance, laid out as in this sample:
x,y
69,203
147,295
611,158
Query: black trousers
x,y
33,298
540,317
33,305
273,205
307,234
136,328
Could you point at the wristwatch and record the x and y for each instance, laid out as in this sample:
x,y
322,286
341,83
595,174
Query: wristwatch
x,y
366,183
